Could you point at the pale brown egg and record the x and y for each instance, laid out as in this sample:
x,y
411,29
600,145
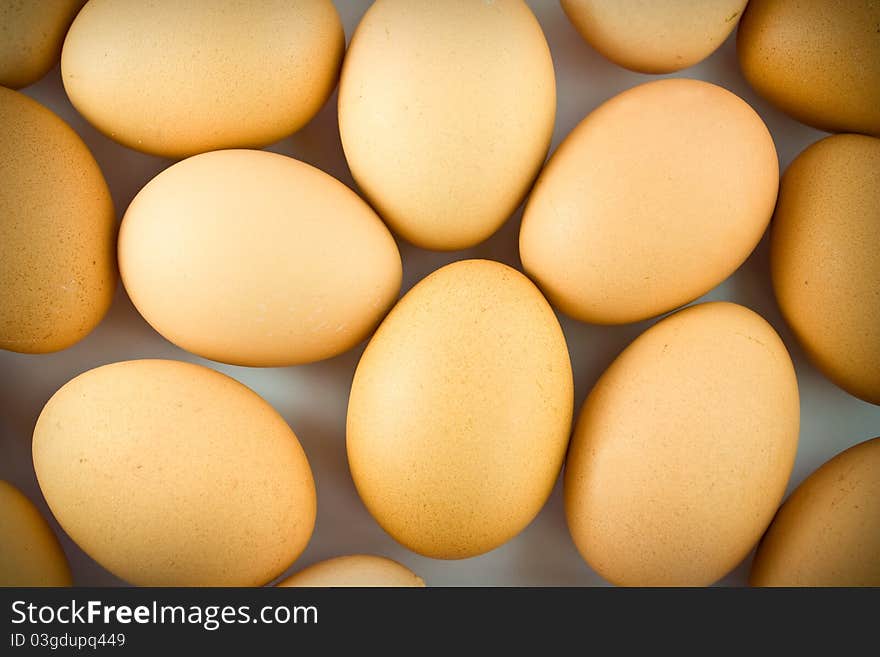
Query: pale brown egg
x,y
172,474
57,231
816,60
825,259
254,258
29,552
828,531
683,449
177,78
460,411
31,34
355,570
654,198
446,113
660,36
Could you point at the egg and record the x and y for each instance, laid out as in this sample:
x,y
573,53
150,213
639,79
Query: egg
x,y
355,570
661,36
824,259
683,449
57,231
653,199
817,61
29,552
254,258
460,411
177,78
31,34
172,474
828,531
446,112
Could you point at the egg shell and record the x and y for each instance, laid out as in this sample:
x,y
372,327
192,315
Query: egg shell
x,y
254,258
460,411
825,259
355,570
446,113
653,199
660,36
30,555
57,231
31,34
816,60
177,78
828,531
683,449
172,474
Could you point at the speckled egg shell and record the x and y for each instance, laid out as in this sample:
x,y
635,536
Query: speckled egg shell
x,y
818,61
460,411
29,552
355,570
446,113
683,449
254,258
654,198
660,36
31,34
825,258
828,531
171,474
57,231
177,78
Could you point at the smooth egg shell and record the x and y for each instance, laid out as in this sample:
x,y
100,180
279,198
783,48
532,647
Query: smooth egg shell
x,y
355,570
57,231
825,258
254,258
653,199
818,61
31,34
177,78
29,552
446,113
172,474
460,411
683,449
828,531
660,36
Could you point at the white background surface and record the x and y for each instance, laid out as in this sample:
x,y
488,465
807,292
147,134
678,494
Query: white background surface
x,y
313,398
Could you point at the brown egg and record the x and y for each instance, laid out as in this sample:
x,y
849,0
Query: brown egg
x,y
661,36
57,231
355,570
825,259
31,34
446,113
460,411
828,531
172,474
254,258
177,78
654,198
683,449
29,552
816,60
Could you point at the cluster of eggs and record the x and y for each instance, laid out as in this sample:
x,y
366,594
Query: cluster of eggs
x,y
460,412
